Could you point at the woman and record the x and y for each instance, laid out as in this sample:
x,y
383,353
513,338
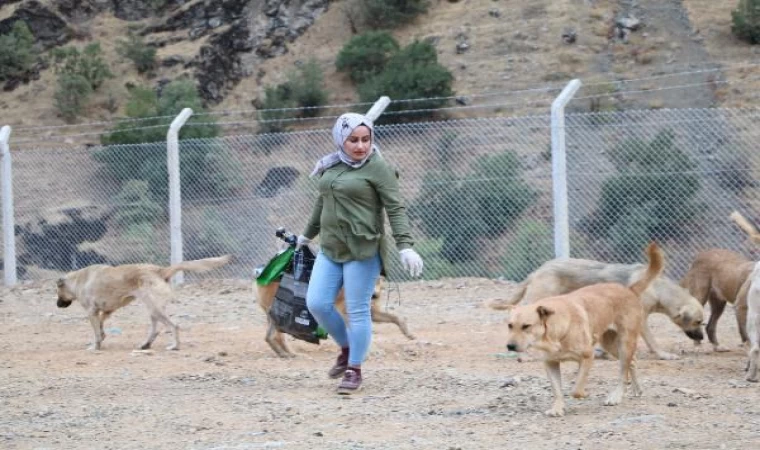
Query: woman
x,y
356,188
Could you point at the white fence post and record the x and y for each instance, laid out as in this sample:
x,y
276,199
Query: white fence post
x,y
378,108
9,235
559,171
175,198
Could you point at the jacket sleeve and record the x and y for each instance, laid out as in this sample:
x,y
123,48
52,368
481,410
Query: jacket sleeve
x,y
312,228
386,185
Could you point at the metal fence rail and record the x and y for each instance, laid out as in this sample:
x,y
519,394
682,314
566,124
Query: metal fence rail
x,y
479,192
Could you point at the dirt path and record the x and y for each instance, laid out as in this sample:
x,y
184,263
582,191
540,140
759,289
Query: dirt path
x,y
447,390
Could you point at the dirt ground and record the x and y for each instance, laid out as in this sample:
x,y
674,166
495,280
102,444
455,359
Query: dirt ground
x,y
455,387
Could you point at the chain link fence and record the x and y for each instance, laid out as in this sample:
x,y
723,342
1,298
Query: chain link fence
x,y
478,193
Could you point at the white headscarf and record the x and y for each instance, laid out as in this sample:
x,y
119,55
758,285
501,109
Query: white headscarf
x,y
344,126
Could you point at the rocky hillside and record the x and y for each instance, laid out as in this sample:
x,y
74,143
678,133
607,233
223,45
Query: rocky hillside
x,y
233,48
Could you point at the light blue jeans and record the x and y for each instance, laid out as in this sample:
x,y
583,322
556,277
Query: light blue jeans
x,y
358,278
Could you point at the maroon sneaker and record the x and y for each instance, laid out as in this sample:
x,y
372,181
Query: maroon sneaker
x,y
351,382
341,364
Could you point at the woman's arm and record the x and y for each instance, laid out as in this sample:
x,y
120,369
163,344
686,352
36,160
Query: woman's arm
x,y
386,185
312,227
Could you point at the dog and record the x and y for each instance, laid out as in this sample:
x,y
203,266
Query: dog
x,y
102,289
566,328
562,276
276,339
720,276
753,324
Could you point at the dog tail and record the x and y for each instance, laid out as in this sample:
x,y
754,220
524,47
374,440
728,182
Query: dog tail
x,y
502,304
745,225
654,269
199,265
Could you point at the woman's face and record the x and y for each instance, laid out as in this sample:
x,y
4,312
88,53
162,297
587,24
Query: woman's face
x,y
358,143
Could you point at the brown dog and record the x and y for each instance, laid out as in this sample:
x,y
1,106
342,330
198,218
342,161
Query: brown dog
x,y
566,328
103,289
276,339
562,276
720,276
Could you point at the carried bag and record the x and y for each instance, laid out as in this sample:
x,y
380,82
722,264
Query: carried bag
x,y
288,311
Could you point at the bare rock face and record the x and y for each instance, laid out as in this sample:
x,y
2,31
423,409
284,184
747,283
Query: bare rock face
x,y
80,10
133,9
48,28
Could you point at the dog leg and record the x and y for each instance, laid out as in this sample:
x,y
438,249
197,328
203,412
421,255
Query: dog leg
x,y
386,317
276,342
626,344
280,338
716,310
646,334
580,382
97,328
152,333
103,316
741,313
175,330
555,378
753,327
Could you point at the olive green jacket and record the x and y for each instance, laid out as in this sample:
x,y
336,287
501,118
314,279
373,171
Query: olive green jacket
x,y
348,215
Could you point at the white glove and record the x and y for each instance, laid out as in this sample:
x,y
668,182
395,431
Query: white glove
x,y
411,261
301,241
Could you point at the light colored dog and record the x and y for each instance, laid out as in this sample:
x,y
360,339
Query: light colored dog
x,y
276,339
102,289
566,328
562,276
720,276
753,324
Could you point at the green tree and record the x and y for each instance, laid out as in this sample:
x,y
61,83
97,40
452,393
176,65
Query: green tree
x,y
136,149
746,21
17,53
134,205
88,63
71,95
136,50
652,196
366,55
465,211
412,73
531,246
300,96
387,14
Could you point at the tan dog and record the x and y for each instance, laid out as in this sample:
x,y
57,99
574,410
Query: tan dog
x,y
566,328
103,289
720,276
276,339
562,276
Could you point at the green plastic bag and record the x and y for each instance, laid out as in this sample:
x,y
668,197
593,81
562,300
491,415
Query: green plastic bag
x,y
275,268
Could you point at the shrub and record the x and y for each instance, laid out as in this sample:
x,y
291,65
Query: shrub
x,y
746,21
387,14
145,158
531,246
141,54
366,55
71,95
304,89
88,64
17,53
465,211
211,237
307,88
135,206
412,73
654,193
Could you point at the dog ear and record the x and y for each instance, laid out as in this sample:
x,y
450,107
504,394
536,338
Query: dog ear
x,y
544,312
61,283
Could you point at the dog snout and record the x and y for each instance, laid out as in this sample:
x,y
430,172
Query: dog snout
x,y
61,303
695,335
512,347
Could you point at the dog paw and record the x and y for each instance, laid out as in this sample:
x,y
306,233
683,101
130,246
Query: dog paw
x,y
145,346
555,412
580,394
668,356
172,347
613,399
752,380
720,348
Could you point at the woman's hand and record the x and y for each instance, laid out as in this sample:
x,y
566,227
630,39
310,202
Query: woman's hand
x,y
411,261
301,241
